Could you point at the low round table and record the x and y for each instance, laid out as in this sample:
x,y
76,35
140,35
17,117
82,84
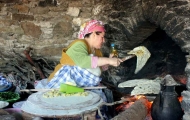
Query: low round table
x,y
62,106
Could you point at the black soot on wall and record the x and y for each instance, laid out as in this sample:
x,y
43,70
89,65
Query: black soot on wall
x,y
166,58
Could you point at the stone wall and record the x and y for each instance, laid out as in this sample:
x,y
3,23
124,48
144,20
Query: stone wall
x,y
49,25
46,25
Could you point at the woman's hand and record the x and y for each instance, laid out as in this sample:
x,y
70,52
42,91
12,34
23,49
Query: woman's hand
x,y
115,61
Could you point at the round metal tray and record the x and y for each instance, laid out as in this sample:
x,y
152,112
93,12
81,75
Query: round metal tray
x,y
61,106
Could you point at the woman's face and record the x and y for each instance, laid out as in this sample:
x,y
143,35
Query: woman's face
x,y
98,39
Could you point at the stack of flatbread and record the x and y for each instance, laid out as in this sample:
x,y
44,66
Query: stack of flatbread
x,y
142,86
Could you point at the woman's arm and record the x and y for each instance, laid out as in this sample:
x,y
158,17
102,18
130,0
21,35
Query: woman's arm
x,y
108,61
78,53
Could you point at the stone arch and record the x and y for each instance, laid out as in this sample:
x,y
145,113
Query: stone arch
x,y
172,17
130,22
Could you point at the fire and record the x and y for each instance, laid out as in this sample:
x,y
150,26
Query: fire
x,y
139,96
148,104
124,106
180,98
130,101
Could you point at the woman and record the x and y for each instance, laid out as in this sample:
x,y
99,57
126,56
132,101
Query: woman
x,y
82,61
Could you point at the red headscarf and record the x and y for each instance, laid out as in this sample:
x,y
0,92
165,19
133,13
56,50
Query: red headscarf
x,y
89,27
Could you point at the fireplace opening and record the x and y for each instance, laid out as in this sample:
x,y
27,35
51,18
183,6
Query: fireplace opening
x,y
166,58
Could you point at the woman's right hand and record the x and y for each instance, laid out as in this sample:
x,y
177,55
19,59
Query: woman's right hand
x,y
115,61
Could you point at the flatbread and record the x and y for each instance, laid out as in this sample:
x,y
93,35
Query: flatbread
x,y
148,87
142,86
142,54
132,83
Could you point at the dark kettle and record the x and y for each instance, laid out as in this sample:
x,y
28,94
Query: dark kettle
x,y
166,105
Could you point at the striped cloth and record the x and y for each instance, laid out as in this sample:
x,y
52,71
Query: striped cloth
x,y
73,75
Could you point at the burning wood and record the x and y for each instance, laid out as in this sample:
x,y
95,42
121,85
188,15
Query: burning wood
x,y
137,111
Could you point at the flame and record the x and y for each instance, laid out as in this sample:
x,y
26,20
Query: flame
x,y
139,96
127,104
180,98
124,106
132,99
149,105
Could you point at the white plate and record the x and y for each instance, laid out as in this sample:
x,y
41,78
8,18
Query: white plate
x,y
3,104
18,104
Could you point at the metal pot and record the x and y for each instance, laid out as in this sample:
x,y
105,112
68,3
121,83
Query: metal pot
x,y
166,105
